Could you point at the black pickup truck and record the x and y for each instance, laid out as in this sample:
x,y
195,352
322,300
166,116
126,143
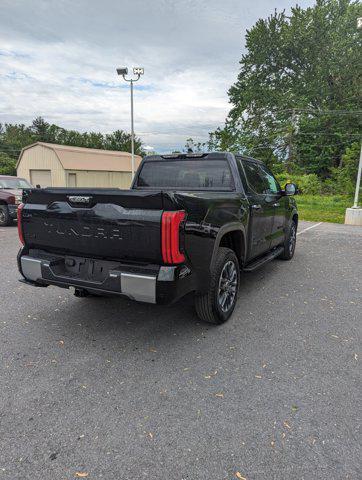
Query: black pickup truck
x,y
189,223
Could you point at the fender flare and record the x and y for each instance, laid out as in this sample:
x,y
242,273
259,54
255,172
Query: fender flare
x,y
230,227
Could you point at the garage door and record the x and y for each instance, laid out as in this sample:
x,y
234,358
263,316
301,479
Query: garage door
x,y
41,177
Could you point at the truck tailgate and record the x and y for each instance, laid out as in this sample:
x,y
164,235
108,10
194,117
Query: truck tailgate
x,y
103,223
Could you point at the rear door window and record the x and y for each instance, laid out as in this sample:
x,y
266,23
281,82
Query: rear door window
x,y
241,172
259,179
256,181
186,174
274,186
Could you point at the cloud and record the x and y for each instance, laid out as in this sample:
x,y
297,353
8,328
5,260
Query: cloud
x,y
59,61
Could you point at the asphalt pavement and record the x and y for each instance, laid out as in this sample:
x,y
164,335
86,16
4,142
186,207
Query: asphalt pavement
x,y
103,388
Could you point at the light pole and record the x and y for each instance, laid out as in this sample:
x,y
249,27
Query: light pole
x,y
137,71
354,214
358,182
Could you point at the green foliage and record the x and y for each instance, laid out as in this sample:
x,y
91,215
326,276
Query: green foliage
x,y
195,146
14,137
120,140
7,165
343,179
308,184
297,99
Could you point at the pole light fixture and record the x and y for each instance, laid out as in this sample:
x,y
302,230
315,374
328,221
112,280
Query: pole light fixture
x,y
137,71
122,71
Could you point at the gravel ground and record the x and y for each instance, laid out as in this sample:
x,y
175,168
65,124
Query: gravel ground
x,y
106,388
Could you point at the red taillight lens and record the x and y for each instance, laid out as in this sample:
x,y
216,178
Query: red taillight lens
x,y
20,225
171,237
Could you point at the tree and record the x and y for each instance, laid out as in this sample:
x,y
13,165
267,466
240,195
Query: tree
x,y
195,146
14,137
40,128
343,179
297,98
121,140
7,165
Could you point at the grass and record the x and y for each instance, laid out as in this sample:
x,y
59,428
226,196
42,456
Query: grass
x,y
323,208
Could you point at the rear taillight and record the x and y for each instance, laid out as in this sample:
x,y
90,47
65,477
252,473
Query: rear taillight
x,y
20,223
171,237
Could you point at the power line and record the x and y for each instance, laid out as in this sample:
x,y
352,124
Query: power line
x,y
318,111
275,147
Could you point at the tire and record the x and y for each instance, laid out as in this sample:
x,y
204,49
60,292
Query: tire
x,y
209,306
5,218
290,242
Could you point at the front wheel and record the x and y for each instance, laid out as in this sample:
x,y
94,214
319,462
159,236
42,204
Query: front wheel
x,y
218,303
5,218
290,242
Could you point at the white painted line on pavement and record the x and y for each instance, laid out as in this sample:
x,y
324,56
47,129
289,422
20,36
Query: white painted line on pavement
x,y
313,226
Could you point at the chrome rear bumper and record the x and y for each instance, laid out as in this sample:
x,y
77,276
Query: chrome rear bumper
x,y
135,286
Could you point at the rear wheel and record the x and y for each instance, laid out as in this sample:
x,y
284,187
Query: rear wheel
x,y
5,218
218,303
290,242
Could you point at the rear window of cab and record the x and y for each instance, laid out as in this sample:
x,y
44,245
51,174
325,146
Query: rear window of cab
x,y
186,174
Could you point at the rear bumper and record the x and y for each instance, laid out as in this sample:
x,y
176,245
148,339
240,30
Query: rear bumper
x,y
143,283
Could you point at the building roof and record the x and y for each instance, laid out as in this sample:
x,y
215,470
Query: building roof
x,y
80,158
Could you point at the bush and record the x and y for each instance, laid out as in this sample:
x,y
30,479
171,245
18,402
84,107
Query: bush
x,y
308,184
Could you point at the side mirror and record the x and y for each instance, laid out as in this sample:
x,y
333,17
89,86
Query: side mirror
x,y
290,189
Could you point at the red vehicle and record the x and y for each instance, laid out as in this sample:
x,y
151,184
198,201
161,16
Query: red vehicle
x,y
11,190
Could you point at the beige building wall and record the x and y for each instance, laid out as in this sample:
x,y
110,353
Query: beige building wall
x,y
41,158
99,179
65,166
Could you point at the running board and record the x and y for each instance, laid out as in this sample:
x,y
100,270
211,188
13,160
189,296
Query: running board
x,y
261,261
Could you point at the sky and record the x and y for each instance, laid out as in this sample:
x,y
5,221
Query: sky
x,y
58,60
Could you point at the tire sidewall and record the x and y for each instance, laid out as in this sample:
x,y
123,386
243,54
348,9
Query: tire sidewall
x,y
292,227
6,220
221,315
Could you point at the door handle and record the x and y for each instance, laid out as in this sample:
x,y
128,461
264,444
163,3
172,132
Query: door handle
x,y
256,207
277,204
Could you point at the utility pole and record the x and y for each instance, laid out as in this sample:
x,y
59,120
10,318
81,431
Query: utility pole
x,y
293,129
138,71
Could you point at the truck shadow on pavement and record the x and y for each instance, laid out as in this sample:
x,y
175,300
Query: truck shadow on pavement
x,y
114,321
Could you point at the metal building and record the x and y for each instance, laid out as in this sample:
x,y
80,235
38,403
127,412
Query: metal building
x,y
52,165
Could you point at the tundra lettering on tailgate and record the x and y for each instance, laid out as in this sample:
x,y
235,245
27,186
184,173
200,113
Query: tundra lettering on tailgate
x,y
90,231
